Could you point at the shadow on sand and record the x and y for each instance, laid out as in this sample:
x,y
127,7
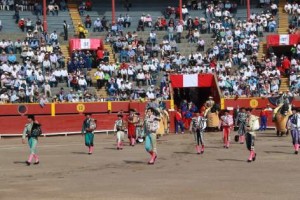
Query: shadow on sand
x,y
279,152
111,148
79,152
20,162
184,152
134,162
234,160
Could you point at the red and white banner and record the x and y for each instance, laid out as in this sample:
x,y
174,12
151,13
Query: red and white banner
x,y
85,44
191,80
277,40
284,39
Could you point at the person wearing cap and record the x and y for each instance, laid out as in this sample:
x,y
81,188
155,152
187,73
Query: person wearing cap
x,y
87,130
98,25
197,127
81,30
131,122
252,121
226,123
210,102
21,24
185,12
119,129
240,122
32,139
151,125
293,125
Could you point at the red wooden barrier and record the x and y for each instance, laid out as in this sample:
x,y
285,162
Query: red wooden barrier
x,y
68,117
252,102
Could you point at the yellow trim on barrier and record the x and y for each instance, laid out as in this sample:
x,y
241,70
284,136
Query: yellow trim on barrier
x,y
52,109
172,104
222,103
109,105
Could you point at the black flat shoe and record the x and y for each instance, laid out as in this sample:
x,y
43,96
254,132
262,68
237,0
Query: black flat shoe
x,y
254,158
36,163
296,152
249,161
27,163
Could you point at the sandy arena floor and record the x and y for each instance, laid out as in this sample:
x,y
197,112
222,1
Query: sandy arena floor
x,y
67,172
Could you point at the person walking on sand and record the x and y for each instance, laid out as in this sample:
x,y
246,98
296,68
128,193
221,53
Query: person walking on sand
x,y
151,125
226,123
294,125
252,126
119,129
32,131
197,126
88,127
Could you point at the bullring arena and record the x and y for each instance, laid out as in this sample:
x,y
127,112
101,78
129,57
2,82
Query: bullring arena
x,y
67,172
64,60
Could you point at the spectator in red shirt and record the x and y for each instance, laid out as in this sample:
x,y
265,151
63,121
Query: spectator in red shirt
x,y
213,64
286,64
88,5
179,121
163,23
124,65
100,55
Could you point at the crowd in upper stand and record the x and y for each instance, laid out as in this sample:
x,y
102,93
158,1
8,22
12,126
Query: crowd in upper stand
x,y
236,45
292,8
32,65
147,62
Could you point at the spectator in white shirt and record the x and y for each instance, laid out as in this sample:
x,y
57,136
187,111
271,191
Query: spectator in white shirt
x,y
140,78
82,83
53,59
53,37
98,25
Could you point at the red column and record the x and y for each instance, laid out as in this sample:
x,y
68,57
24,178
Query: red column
x,y
45,16
248,10
180,10
113,9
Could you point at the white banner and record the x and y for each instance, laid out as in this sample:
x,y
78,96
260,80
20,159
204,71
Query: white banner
x,y
190,80
85,43
284,40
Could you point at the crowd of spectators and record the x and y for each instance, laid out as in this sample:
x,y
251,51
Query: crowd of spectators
x,y
236,44
293,10
148,62
31,67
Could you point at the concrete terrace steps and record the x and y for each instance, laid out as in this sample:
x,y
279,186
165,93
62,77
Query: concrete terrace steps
x,y
65,51
54,22
283,29
76,19
284,86
137,5
283,18
262,50
111,53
